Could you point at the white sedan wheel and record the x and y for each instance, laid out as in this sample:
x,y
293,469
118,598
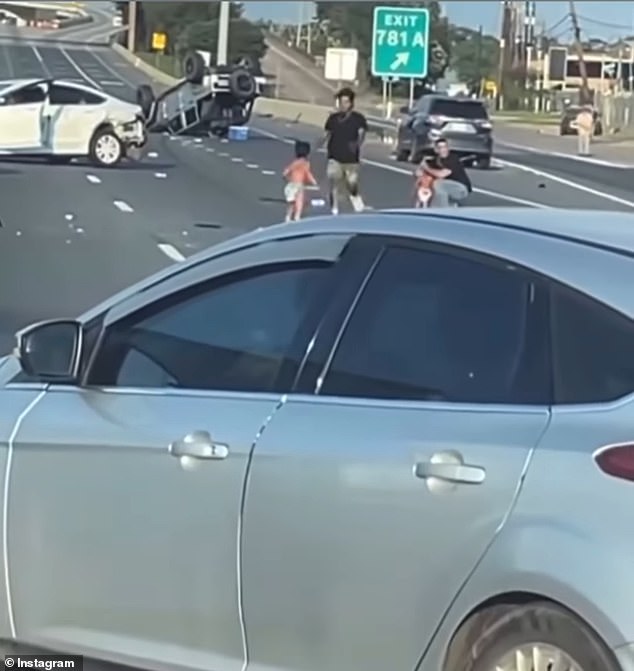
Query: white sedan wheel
x,y
107,149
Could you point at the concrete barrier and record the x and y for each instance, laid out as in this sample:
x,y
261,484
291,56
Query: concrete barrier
x,y
288,110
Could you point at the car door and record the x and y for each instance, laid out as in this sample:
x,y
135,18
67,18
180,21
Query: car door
x,y
21,113
126,493
72,114
372,498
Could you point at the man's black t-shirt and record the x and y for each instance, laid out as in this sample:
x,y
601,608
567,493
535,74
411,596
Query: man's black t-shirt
x,y
343,143
453,163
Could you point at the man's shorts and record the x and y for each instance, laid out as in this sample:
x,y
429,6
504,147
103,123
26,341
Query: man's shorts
x,y
343,172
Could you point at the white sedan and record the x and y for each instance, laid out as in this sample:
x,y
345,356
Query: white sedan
x,y
62,120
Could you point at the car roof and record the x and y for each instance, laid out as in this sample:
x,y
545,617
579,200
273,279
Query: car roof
x,y
573,233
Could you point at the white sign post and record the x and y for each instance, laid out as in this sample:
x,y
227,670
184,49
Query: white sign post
x,y
341,64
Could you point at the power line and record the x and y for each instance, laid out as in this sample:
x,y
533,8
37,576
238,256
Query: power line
x,y
604,24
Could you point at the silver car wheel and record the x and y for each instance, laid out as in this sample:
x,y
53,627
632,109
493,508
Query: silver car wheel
x,y
108,149
537,657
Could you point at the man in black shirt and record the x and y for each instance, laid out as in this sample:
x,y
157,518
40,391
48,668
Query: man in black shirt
x,y
345,132
452,183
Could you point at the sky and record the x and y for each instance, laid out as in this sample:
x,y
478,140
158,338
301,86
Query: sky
x,y
604,19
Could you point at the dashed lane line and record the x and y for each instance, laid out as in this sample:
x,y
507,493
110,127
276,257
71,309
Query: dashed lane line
x,y
171,252
252,166
123,206
160,175
93,179
268,172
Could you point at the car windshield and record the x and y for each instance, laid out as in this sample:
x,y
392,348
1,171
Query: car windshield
x,y
459,109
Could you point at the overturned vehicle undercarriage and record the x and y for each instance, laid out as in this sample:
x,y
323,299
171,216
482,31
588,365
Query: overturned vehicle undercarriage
x,y
205,100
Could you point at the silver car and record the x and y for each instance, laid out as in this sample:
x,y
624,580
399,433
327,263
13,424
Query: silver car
x,y
398,440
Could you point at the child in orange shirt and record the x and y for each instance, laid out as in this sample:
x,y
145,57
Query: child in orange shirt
x,y
298,175
423,187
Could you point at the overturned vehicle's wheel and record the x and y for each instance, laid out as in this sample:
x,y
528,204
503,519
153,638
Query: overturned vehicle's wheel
x,y
194,67
145,99
242,84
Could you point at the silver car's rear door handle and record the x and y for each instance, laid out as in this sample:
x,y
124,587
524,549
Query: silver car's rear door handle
x,y
199,445
448,468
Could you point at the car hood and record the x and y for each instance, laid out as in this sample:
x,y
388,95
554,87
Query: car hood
x,y
124,112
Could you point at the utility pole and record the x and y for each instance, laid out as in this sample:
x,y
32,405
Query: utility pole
x,y
222,53
300,24
505,29
132,14
479,60
585,89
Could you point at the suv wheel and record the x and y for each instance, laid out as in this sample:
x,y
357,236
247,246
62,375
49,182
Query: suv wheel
x,y
105,148
402,154
510,638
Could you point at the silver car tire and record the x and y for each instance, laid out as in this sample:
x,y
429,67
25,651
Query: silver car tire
x,y
106,150
513,638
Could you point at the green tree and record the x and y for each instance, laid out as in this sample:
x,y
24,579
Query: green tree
x,y
194,25
349,24
474,56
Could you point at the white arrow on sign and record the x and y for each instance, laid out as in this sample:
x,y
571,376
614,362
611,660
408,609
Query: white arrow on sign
x,y
401,60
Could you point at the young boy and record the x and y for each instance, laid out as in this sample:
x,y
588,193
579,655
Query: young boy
x,y
298,175
423,187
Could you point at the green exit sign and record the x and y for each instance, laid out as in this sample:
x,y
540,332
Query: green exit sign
x,y
400,42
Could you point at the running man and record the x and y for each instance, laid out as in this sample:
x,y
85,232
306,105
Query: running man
x,y
345,133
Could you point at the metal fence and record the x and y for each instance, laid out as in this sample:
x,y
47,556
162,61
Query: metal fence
x,y
617,111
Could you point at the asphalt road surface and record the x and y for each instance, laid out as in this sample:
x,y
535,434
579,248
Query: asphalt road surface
x,y
72,235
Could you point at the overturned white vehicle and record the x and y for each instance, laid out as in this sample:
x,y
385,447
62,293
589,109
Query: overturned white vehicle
x,y
62,120
205,100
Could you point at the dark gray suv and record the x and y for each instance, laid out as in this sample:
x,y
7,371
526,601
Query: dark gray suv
x,y
464,123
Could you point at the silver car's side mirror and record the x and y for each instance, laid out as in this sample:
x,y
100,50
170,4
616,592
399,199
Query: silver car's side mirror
x,y
50,351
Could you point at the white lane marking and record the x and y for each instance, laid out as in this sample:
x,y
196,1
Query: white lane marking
x,y
237,159
5,505
572,157
160,175
110,69
224,141
268,172
568,183
402,171
171,252
223,154
211,150
93,179
88,78
198,141
111,82
69,217
484,192
123,206
253,166
152,154
39,57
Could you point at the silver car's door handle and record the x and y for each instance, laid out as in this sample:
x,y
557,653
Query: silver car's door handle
x,y
456,473
199,445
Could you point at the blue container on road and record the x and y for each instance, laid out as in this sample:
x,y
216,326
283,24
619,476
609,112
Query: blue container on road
x,y
238,133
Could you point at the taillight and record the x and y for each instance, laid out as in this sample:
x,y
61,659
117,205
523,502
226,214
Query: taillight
x,y
484,124
616,460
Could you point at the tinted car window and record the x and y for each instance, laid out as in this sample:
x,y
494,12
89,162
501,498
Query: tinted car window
x,y
237,335
434,326
27,95
68,95
593,350
459,109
